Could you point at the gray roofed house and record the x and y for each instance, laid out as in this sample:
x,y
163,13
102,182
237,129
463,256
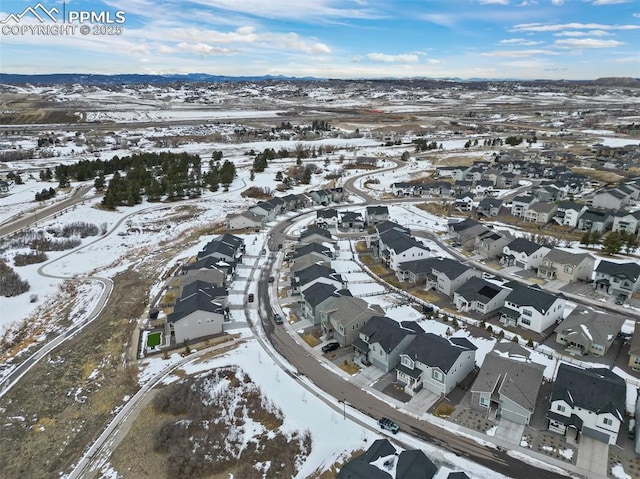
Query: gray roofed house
x,y
390,225
343,316
489,207
566,265
626,221
588,332
315,234
376,214
491,243
212,276
398,247
226,247
523,253
595,220
447,275
618,279
455,228
416,271
245,219
381,340
314,297
507,388
322,251
540,212
327,218
479,295
435,363
315,273
197,316
383,461
589,401
568,213
309,259
216,293
532,308
351,220
520,204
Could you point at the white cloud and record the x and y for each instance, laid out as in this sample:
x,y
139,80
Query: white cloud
x,y
554,27
519,41
493,2
588,43
608,2
401,58
204,49
519,53
588,33
557,2
625,60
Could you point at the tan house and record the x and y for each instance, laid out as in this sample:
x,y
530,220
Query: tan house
x,y
540,213
343,316
566,266
586,332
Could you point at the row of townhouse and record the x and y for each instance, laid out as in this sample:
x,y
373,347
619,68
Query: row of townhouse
x,y
351,220
195,298
264,211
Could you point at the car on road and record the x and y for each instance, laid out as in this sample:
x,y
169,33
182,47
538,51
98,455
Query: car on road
x,y
388,425
250,297
272,278
277,318
327,348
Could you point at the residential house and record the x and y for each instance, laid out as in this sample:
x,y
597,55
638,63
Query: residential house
x,y
626,221
314,297
462,186
306,260
634,349
521,204
226,268
463,202
415,271
214,276
490,244
585,331
435,363
587,401
351,220
397,247
489,207
321,197
383,461
4,187
479,295
540,213
441,188
568,213
194,317
381,341
483,188
403,188
507,180
618,279
523,253
507,388
447,275
455,228
327,218
566,266
218,294
293,202
595,220
315,234
376,214
226,247
316,273
612,199
267,210
320,251
246,219
529,307
343,316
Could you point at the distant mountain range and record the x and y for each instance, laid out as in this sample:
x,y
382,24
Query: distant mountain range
x,y
136,79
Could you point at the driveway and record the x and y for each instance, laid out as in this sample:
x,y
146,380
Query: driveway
x,y
510,431
593,455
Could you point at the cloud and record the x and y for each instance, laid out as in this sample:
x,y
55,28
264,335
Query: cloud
x,y
624,60
554,27
608,2
401,58
204,49
588,33
588,43
519,53
493,2
557,2
519,41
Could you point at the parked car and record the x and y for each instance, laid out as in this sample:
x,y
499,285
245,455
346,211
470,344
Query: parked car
x,y
620,299
277,318
327,348
272,278
632,428
250,297
388,424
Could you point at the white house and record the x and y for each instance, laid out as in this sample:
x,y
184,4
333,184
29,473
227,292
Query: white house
x,y
435,363
587,401
523,253
531,308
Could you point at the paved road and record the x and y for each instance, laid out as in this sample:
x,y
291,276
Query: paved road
x,y
30,218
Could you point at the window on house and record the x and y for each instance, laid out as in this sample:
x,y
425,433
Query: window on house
x,y
607,421
526,312
525,321
561,408
568,269
484,401
636,360
437,375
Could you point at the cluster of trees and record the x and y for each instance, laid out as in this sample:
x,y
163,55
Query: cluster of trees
x,y
23,259
174,175
423,145
16,155
613,243
45,194
10,282
470,143
46,175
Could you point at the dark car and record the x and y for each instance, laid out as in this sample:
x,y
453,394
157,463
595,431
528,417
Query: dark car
x,y
388,424
330,347
272,278
250,297
277,318
621,299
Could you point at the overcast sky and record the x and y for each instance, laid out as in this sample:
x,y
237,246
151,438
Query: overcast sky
x,y
523,39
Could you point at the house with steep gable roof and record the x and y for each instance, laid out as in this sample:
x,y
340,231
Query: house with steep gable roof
x,y
314,297
374,215
523,253
587,401
479,295
507,387
626,221
315,234
435,363
529,307
343,316
618,279
566,265
381,341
